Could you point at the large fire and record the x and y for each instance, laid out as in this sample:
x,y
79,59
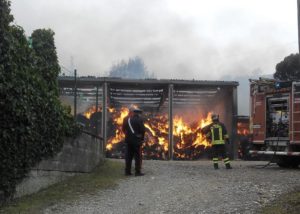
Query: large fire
x,y
117,117
189,143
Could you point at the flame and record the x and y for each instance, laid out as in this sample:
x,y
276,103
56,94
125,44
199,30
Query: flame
x,y
156,144
188,140
91,111
109,147
242,129
180,127
118,117
150,129
201,140
111,110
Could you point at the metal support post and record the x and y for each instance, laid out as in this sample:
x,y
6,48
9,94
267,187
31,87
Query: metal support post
x,y
170,115
234,145
97,116
104,115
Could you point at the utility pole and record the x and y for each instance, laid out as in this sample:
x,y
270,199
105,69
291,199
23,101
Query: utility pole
x,y
298,15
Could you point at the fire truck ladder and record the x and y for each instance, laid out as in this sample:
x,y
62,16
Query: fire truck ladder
x,y
296,113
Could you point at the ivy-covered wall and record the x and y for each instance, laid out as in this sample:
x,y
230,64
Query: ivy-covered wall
x,y
33,123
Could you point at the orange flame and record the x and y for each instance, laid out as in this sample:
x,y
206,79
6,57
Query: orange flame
x,y
118,117
186,135
91,111
242,129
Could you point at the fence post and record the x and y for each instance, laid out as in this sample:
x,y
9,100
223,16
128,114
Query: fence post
x,y
75,93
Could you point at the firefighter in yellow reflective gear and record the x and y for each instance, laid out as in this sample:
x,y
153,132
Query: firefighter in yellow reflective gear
x,y
216,133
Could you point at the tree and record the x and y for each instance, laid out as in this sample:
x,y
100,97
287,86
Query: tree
x,y
33,123
46,57
289,68
134,69
5,37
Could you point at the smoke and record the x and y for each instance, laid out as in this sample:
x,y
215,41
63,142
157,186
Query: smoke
x,y
230,39
205,40
244,88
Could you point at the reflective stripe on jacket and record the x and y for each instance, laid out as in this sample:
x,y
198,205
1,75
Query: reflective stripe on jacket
x,y
217,134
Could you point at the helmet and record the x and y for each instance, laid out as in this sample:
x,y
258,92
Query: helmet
x,y
134,108
214,117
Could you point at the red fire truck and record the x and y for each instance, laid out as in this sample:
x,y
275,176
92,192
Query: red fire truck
x,y
275,120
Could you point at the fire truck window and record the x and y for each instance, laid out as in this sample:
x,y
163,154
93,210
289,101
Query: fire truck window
x,y
277,117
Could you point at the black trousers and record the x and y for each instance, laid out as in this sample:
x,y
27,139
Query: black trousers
x,y
220,151
133,151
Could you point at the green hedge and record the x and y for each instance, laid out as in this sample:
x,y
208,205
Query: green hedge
x,y
33,123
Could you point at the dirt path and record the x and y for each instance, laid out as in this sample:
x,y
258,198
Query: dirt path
x,y
189,187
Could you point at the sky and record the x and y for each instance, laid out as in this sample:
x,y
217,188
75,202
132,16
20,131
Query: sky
x,y
178,39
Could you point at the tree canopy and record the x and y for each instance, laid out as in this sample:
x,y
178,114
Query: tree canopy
x,y
134,69
46,57
33,121
289,68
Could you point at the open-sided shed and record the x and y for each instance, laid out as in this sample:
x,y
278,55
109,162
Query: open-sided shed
x,y
152,95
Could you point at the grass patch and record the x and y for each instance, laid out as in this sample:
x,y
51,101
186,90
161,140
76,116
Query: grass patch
x,y
286,203
104,176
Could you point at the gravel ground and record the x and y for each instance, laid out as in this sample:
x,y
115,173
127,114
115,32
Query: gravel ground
x,y
189,187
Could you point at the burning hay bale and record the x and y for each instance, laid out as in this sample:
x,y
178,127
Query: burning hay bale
x,y
189,144
188,141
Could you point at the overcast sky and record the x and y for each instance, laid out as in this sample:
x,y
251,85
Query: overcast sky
x,y
183,39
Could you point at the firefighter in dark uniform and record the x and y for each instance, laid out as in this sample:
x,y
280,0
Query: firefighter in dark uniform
x,y
134,130
216,133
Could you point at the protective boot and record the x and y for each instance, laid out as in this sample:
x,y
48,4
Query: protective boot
x,y
228,166
139,173
127,172
216,166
